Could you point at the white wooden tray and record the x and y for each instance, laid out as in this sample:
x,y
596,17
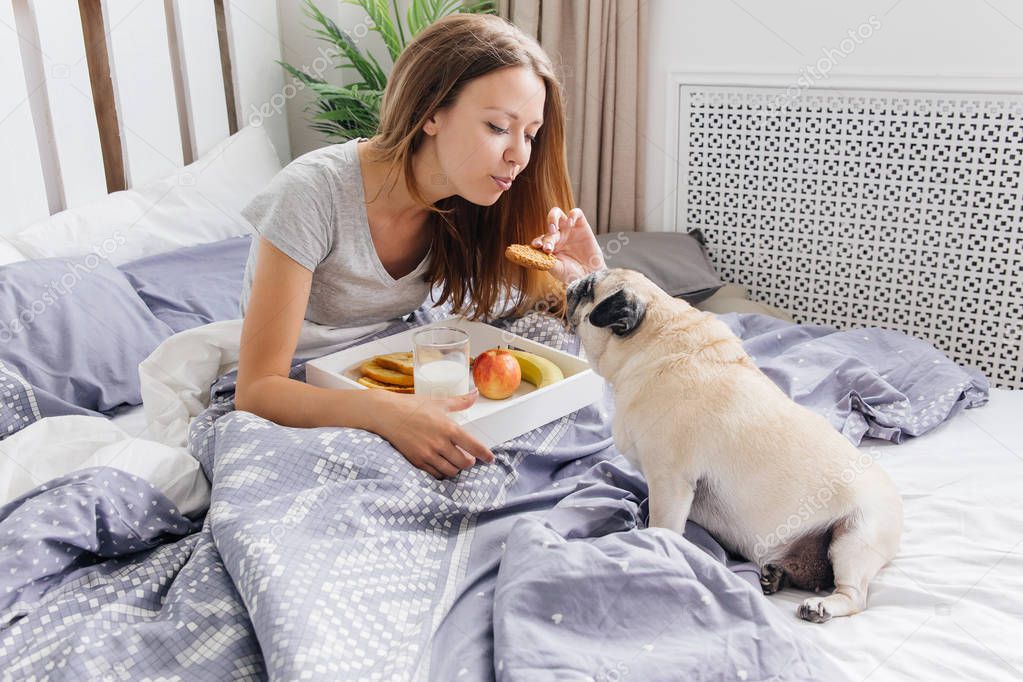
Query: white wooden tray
x,y
490,421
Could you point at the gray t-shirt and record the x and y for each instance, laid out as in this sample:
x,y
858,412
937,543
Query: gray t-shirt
x,y
314,211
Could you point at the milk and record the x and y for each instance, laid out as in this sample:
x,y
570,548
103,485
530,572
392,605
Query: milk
x,y
442,379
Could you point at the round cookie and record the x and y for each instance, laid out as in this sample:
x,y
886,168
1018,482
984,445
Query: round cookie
x,y
399,362
377,372
370,383
529,257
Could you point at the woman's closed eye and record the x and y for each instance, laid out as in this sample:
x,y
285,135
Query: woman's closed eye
x,y
502,131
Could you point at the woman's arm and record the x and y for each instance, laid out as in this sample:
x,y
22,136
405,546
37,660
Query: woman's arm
x,y
416,425
273,321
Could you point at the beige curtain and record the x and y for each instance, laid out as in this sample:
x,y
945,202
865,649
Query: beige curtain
x,y
599,49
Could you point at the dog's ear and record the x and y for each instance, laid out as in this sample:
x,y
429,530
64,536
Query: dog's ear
x,y
621,311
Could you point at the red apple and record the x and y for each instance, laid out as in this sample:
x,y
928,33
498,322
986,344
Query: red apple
x,y
496,373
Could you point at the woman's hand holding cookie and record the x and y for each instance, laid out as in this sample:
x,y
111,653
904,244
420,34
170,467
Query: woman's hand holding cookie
x,y
571,241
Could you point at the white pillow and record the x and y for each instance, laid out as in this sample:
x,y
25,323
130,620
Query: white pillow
x,y
200,203
9,254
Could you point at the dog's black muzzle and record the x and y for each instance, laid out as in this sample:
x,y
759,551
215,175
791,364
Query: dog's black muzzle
x,y
579,292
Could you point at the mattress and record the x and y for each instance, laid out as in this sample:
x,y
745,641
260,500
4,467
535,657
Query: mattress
x,y
950,606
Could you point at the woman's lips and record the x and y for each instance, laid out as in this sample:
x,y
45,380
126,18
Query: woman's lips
x,y
502,183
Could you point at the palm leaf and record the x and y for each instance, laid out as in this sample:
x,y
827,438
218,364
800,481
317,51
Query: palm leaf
x,y
424,12
353,110
479,7
382,24
301,76
367,66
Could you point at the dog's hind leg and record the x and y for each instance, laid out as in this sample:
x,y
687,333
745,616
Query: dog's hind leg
x,y
860,546
671,498
772,578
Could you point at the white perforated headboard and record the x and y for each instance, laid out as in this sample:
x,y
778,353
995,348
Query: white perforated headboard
x,y
854,207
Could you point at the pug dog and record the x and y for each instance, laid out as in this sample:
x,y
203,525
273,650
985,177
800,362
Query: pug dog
x,y
719,442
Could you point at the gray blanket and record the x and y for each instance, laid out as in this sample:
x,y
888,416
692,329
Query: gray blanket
x,y
325,553
868,382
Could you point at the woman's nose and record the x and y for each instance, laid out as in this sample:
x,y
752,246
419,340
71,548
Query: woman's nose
x,y
517,154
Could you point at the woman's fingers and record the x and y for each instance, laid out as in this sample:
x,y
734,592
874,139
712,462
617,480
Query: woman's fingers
x,y
559,224
450,461
430,470
440,462
458,457
554,216
577,218
557,220
460,402
548,240
567,220
474,448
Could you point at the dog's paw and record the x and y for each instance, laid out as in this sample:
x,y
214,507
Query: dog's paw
x,y
771,578
814,610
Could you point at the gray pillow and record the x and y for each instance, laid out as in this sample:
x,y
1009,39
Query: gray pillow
x,y
74,331
194,285
675,261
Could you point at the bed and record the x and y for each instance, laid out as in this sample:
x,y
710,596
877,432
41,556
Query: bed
x,y
949,606
511,572
149,530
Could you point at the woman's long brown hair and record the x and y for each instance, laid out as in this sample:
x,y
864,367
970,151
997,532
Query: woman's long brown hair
x,y
468,242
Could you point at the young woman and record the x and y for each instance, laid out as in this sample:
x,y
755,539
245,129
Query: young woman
x,y
469,157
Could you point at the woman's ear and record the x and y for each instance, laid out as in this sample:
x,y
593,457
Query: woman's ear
x,y
432,124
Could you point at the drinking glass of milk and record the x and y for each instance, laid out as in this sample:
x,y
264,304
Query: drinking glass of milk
x,y
441,362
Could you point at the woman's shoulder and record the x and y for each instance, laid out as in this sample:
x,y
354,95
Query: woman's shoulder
x,y
324,172
332,158
313,181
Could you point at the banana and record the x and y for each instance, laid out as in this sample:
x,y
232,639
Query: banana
x,y
537,370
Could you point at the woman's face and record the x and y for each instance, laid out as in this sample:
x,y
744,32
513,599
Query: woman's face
x,y
484,140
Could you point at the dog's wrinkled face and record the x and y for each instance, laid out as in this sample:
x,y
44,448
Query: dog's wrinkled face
x,y
607,308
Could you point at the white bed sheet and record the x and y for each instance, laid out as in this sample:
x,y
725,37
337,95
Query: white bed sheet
x,y
950,606
133,421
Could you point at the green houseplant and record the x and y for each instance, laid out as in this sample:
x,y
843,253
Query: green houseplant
x,y
344,112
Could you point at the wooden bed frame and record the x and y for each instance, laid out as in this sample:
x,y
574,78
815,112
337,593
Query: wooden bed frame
x,y
104,95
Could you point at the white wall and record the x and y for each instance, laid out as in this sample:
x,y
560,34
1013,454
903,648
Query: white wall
x,y
303,50
912,37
